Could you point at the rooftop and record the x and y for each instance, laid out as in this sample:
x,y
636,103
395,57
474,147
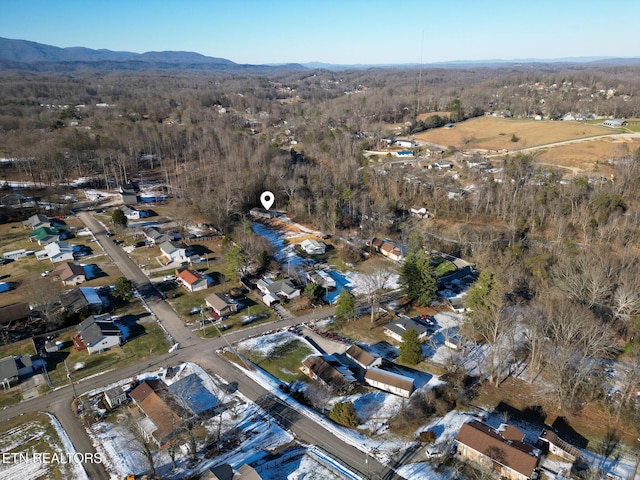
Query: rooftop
x,y
512,454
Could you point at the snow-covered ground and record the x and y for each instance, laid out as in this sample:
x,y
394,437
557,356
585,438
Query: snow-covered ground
x,y
28,452
241,419
376,407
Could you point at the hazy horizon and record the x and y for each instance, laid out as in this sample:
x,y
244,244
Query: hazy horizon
x,y
350,33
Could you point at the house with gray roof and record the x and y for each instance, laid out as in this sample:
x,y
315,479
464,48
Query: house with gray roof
x,y
56,252
397,327
275,290
97,333
174,252
36,221
115,396
155,237
313,247
14,367
8,372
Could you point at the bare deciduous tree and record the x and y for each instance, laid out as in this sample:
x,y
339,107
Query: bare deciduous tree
x,y
375,283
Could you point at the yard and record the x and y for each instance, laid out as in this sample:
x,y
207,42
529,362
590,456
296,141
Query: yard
x,y
360,329
147,340
25,437
282,359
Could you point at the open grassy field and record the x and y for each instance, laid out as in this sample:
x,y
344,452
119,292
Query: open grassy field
x,y
591,156
491,133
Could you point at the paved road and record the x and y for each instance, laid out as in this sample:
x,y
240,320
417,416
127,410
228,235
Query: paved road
x,y
202,352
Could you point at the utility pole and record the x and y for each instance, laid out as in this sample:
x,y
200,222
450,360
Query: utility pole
x,y
73,386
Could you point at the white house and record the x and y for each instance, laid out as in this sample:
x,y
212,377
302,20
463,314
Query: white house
x,y
56,252
615,123
396,328
132,213
115,396
97,333
362,357
174,252
389,382
274,291
313,247
406,143
16,254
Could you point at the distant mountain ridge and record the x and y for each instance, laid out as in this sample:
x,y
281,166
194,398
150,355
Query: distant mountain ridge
x,y
24,55
24,51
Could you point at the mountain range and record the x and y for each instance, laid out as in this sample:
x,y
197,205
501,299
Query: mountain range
x,y
24,55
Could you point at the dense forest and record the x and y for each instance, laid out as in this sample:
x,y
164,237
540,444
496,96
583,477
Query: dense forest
x,y
561,252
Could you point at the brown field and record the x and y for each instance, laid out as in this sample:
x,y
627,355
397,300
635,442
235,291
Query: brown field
x,y
424,116
591,156
490,133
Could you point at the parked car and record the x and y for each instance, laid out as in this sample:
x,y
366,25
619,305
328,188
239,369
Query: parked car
x,y
435,451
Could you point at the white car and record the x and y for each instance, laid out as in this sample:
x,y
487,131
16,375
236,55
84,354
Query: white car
x,y
435,451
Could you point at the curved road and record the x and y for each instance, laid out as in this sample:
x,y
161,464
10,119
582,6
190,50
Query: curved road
x,y
202,352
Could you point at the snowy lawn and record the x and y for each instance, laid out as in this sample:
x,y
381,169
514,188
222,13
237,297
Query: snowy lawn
x,y
244,428
35,446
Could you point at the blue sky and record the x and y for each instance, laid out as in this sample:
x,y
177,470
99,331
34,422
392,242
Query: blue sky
x,y
342,32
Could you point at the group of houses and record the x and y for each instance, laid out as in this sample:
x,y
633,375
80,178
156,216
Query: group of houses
x,y
343,372
49,234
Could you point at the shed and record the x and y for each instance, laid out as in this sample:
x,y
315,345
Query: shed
x,y
115,396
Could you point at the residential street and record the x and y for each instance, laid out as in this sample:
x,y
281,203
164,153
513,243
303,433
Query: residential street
x,y
202,352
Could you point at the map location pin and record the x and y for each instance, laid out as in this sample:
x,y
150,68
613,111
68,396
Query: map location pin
x,y
267,198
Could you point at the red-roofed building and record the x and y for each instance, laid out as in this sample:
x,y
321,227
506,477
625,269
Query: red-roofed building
x,y
193,280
